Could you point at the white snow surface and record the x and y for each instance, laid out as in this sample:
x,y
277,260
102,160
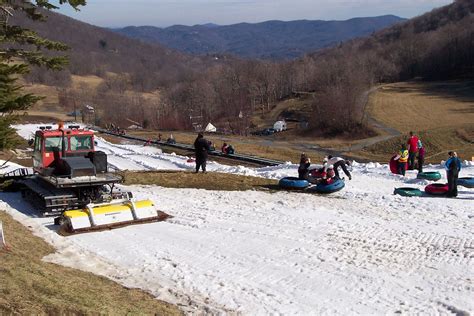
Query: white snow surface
x,y
362,250
8,166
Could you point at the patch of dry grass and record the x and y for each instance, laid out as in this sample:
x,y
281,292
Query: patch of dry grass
x,y
442,113
265,119
86,82
46,117
50,103
421,106
437,143
208,181
30,286
15,158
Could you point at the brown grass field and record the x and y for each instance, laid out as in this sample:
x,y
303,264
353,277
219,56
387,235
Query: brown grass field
x,y
208,181
441,113
49,107
422,106
30,286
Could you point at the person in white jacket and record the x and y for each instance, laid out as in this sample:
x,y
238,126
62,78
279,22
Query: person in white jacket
x,y
337,162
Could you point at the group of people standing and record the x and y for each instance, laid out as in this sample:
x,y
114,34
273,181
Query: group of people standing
x,y
330,170
414,148
408,153
114,129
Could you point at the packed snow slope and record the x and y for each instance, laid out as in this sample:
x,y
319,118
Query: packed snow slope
x,y
362,250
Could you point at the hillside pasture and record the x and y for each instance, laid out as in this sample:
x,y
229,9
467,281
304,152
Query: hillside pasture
x,y
441,113
422,106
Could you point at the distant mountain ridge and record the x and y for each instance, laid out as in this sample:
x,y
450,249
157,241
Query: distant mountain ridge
x,y
266,40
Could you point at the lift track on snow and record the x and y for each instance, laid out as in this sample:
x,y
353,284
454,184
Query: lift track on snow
x,y
252,159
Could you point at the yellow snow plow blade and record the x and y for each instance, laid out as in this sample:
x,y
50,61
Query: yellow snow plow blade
x,y
109,215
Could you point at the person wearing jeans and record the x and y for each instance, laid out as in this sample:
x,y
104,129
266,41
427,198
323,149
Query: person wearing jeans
x,y
201,146
453,166
402,159
412,150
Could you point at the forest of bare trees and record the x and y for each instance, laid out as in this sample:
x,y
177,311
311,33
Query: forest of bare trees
x,y
435,46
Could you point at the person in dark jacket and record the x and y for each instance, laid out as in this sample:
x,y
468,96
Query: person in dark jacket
x,y
201,147
303,169
453,166
421,156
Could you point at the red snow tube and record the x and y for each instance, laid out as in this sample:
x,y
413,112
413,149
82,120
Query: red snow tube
x,y
437,189
190,160
394,165
317,173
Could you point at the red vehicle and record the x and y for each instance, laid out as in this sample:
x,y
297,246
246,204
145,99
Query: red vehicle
x,y
71,178
51,145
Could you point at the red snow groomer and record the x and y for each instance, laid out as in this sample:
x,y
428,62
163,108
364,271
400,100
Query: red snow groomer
x,y
71,178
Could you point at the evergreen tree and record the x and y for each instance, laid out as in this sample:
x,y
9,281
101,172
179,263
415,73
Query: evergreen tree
x,y
20,48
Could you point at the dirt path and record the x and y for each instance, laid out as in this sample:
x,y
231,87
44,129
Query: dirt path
x,y
387,133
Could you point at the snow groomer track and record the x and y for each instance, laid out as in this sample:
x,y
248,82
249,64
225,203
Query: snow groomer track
x,y
239,157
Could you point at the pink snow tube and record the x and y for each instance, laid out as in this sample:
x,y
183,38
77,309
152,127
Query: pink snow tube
x,y
437,189
393,164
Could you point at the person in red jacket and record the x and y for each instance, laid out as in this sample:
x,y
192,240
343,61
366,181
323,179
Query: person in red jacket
x,y
412,150
224,148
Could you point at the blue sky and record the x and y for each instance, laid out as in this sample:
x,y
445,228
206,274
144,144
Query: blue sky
x,y
118,13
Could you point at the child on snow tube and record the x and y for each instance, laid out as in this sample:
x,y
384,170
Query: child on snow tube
x,y
303,169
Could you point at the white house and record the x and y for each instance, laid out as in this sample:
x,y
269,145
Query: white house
x,y
279,126
210,128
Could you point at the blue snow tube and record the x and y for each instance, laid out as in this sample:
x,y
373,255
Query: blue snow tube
x,y
467,182
334,186
293,183
429,175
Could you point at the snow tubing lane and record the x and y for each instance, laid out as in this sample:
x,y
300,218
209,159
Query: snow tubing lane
x,y
293,183
430,175
408,192
393,164
467,182
437,189
330,188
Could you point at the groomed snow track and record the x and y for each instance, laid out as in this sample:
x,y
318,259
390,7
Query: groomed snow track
x,y
239,157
